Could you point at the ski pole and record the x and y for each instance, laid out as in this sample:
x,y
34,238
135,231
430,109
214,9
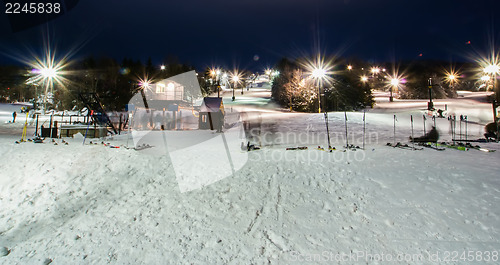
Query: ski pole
x,y
88,125
465,119
461,118
346,139
395,129
424,118
364,128
327,130
454,127
412,139
434,121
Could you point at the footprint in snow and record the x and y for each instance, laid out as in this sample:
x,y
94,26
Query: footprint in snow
x,y
4,251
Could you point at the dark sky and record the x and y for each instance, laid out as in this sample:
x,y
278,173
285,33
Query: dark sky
x,y
231,33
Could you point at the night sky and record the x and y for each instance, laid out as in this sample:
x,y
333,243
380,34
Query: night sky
x,y
235,33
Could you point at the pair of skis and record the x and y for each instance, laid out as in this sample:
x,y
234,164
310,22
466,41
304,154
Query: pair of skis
x,y
467,146
403,146
297,148
431,145
25,130
347,145
400,145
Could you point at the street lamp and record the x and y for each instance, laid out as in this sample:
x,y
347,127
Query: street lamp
x,y
235,79
319,74
451,78
47,74
430,105
162,67
375,70
319,69
268,73
485,78
394,84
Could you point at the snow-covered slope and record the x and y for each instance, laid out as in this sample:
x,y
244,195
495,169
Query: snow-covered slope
x,y
91,204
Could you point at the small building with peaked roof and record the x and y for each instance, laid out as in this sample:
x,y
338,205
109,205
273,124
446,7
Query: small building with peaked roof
x,y
211,114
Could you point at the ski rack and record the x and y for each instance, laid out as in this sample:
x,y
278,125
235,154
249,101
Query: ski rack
x,y
92,102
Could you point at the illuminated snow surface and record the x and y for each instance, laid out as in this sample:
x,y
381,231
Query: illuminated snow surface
x,y
91,204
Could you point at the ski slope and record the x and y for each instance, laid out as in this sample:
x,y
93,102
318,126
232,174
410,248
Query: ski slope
x,y
92,204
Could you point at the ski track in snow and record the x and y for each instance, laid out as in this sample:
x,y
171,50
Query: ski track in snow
x,y
95,205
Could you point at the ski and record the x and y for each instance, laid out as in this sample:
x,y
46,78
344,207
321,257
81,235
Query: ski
x,y
477,147
474,141
329,149
430,146
353,147
451,146
297,148
403,146
142,147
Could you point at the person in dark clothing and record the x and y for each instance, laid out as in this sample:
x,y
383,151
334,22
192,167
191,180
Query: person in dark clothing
x,y
14,115
490,131
432,136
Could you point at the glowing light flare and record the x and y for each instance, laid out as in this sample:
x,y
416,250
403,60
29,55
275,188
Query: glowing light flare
x,y
349,67
489,65
236,77
48,71
485,78
492,69
319,73
319,69
364,79
214,72
375,70
145,83
162,67
395,81
451,77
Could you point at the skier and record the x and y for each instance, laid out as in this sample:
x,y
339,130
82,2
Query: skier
x,y
490,131
14,115
432,136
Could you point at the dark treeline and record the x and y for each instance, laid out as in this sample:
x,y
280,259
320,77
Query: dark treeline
x,y
353,81
114,82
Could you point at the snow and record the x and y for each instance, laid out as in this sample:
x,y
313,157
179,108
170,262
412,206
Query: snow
x,y
92,204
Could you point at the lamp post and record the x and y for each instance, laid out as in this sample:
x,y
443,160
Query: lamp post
x,y
452,79
430,105
235,82
394,84
217,79
48,74
319,74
